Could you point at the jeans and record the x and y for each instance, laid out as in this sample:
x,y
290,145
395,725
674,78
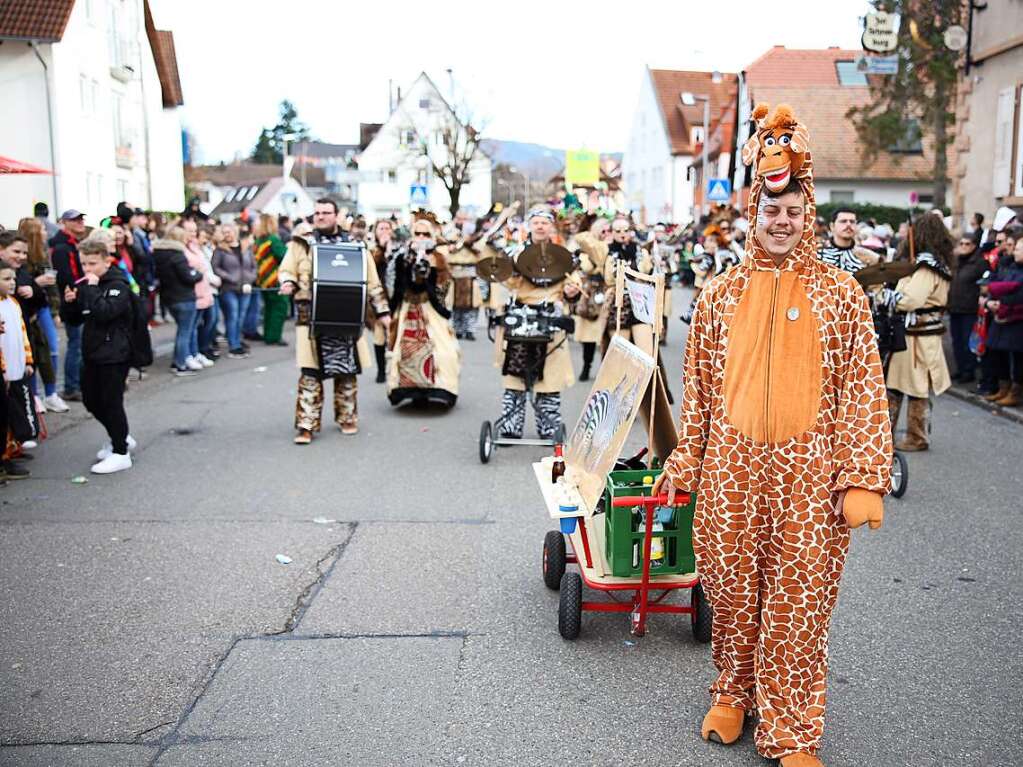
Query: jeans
x,y
250,317
961,325
49,328
206,328
185,316
233,304
73,359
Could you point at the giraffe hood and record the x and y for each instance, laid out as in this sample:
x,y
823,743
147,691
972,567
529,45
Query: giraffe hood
x,y
779,152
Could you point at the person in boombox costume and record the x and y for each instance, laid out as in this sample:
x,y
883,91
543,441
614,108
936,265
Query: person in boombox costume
x,y
591,309
425,361
784,437
550,366
339,358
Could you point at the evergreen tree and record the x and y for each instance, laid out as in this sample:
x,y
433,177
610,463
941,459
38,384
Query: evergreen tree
x,y
269,146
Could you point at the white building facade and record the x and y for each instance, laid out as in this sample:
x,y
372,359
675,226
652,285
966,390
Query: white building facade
x,y
390,166
98,105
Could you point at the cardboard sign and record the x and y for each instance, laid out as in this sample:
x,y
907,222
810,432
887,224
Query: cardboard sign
x,y
607,417
644,300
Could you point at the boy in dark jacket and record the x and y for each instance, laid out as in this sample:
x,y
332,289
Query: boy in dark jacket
x,y
962,305
102,302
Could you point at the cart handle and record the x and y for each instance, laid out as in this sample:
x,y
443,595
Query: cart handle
x,y
681,499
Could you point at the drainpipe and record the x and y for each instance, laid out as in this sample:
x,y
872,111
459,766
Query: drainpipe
x,y
49,122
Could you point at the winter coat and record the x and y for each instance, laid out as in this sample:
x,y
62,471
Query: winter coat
x,y
64,256
106,311
235,268
1006,286
177,277
203,288
964,293
29,306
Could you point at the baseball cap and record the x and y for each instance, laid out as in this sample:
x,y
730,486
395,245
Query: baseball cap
x,y
71,214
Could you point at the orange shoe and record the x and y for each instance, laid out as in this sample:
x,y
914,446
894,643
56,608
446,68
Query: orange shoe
x,y
723,724
801,760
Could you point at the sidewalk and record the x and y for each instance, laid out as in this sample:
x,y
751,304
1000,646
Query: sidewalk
x,y
965,393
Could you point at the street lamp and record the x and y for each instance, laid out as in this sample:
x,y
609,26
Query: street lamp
x,y
690,99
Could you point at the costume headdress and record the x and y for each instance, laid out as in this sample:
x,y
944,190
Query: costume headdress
x,y
779,152
540,211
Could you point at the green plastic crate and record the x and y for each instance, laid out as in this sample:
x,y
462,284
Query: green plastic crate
x,y
623,534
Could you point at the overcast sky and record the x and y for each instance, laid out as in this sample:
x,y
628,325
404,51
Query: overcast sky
x,y
562,74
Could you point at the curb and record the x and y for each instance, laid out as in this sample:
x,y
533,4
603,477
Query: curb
x,y
1011,414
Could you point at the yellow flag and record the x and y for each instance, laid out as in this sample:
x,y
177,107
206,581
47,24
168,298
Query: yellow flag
x,y
582,167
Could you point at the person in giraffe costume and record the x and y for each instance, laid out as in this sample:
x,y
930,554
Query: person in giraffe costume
x,y
785,439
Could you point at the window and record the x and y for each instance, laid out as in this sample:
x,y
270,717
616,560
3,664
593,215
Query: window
x,y
252,192
842,195
696,135
89,187
910,142
83,92
122,189
425,104
848,74
392,176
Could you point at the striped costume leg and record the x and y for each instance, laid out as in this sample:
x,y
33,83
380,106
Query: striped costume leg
x,y
547,410
513,413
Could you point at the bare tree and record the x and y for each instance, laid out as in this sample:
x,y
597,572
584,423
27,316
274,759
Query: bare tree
x,y
449,146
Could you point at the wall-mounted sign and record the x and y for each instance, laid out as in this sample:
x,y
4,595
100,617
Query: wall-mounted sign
x,y
880,32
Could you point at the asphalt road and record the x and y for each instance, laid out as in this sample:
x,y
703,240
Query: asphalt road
x,y
145,620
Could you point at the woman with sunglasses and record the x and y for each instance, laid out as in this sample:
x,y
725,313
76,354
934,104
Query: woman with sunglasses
x,y
426,360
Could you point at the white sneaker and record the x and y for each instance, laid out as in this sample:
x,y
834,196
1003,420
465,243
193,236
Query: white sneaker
x,y
192,363
205,361
108,450
112,463
55,403
29,444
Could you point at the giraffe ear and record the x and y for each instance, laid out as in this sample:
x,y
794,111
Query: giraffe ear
x,y
800,139
760,112
750,149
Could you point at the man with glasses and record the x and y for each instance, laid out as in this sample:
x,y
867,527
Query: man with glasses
x,y
339,358
624,250
962,304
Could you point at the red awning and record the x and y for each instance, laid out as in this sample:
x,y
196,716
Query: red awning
x,y
7,165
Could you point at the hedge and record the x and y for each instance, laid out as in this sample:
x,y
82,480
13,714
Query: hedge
x,y
882,214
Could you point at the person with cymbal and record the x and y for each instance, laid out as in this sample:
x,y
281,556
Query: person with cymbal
x,y
548,287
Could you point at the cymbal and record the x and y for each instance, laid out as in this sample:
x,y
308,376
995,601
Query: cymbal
x,y
883,272
544,261
496,268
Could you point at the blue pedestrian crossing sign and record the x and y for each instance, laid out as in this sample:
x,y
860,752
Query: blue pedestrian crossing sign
x,y
417,195
719,190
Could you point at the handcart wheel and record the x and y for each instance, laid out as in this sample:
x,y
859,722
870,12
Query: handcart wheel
x,y
560,434
900,474
486,442
702,617
553,559
570,606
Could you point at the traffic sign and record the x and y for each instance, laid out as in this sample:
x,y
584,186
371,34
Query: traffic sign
x,y
719,190
878,65
418,195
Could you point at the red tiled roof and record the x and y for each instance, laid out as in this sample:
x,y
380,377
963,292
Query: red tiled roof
x,y
35,19
166,59
669,85
833,140
781,67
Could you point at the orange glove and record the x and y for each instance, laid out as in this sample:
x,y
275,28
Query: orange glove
x,y
858,506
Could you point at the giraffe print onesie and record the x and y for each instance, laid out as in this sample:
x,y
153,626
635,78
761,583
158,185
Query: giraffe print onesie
x,y
783,408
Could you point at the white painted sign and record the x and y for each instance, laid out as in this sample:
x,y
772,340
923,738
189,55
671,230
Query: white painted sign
x,y
880,32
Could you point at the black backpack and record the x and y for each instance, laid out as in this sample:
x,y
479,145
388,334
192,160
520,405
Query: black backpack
x,y
138,334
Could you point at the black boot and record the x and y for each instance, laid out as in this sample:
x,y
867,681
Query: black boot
x,y
381,363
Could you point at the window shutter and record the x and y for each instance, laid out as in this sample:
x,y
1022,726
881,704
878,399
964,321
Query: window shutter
x,y
1018,186
1002,170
